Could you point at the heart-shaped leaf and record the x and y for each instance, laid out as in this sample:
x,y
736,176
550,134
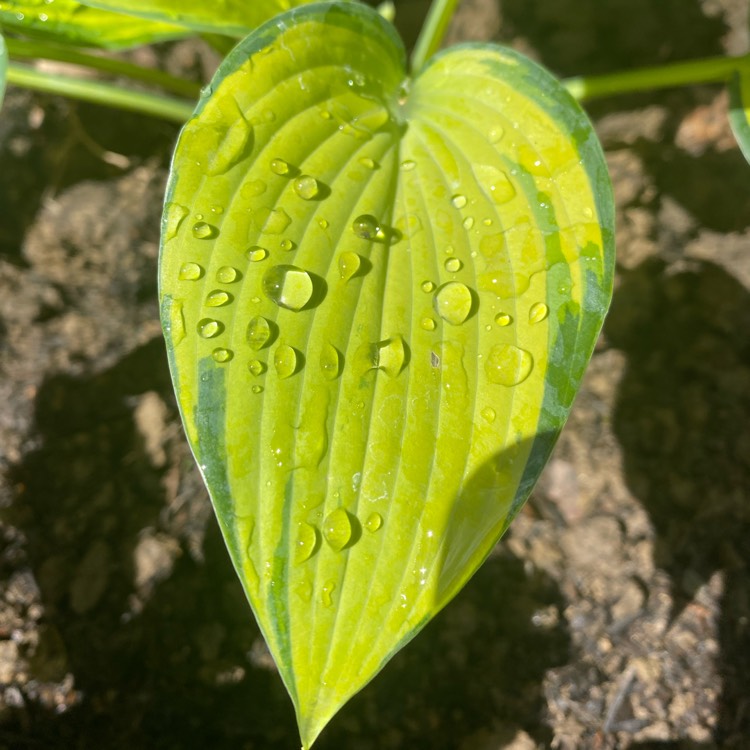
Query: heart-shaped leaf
x,y
73,22
231,17
739,109
379,296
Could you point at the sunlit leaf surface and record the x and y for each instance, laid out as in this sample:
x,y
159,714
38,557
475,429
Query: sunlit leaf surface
x,y
69,21
379,297
739,109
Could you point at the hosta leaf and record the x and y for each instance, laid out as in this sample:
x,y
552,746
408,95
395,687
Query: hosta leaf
x,y
231,17
739,109
69,21
379,297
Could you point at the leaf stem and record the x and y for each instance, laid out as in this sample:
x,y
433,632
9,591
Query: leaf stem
x,y
432,33
708,70
166,107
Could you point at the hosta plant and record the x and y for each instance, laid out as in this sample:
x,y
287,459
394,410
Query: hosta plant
x,y
380,284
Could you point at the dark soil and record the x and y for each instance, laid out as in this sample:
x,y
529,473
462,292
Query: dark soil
x,y
615,614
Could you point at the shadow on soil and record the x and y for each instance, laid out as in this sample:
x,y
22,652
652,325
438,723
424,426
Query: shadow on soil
x,y
683,418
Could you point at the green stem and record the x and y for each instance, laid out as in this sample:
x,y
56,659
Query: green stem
x,y
709,70
166,107
28,49
433,31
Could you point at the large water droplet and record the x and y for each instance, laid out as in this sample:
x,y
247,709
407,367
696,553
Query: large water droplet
x,y
306,187
285,361
389,355
495,182
288,286
190,272
453,265
330,361
508,365
256,253
175,215
307,542
349,264
176,321
338,529
222,355
257,368
202,230
227,275
374,522
280,167
365,226
208,328
538,312
218,298
453,302
458,200
503,319
326,593
258,332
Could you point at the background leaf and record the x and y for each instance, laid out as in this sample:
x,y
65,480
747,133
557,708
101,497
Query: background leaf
x,y
379,297
739,109
73,22
231,17
3,67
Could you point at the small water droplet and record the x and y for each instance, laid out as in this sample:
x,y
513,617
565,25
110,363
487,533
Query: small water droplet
x,y
488,413
222,355
368,163
218,298
256,367
428,287
190,272
258,332
217,209
337,529
503,319
365,227
175,215
453,302
538,312
487,221
253,189
408,165
428,324
588,212
453,265
257,389
307,542
287,245
208,328
458,200
323,224
202,230
508,365
330,361
306,187
349,264
389,355
227,275
285,361
280,167
326,593
468,222
374,522
496,134
288,286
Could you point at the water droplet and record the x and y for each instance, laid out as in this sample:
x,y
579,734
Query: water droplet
x,y
257,389
538,312
495,182
453,302
368,163
349,263
253,189
287,245
496,134
288,286
222,355
190,272
204,231
428,324
588,213
227,275
503,319
338,529
175,215
218,298
258,332
307,542
280,167
273,220
323,224
389,356
217,209
176,321
458,200
453,265
330,362
256,253
365,226
326,593
374,522
256,367
285,361
428,287
236,141
488,413
208,328
306,187
508,365
468,222
487,221
408,165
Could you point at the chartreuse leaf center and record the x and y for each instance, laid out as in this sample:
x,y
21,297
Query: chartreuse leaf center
x,y
379,296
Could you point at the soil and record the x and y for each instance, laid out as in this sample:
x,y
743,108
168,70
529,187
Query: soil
x,y
614,614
